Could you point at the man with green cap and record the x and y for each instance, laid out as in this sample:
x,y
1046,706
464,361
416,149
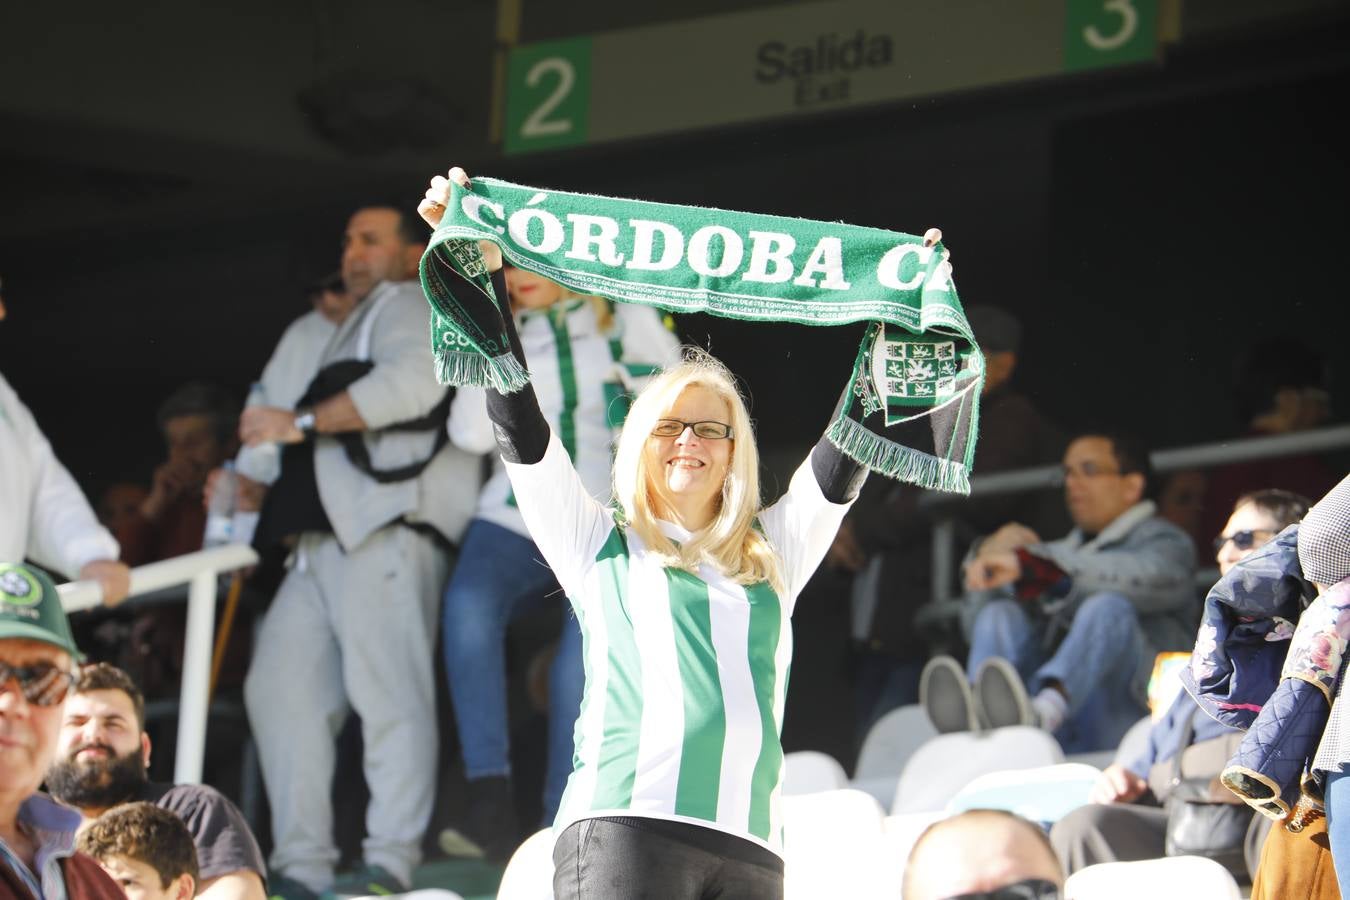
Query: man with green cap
x,y
37,669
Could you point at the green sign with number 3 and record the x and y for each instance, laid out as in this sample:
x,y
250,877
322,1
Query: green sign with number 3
x,y
548,95
1109,32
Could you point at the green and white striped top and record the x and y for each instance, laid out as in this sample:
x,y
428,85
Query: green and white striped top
x,y
685,675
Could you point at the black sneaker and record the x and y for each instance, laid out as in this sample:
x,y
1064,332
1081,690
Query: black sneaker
x,y
945,696
1002,696
366,881
490,830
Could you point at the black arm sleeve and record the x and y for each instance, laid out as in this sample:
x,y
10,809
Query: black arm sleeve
x,y
520,427
839,476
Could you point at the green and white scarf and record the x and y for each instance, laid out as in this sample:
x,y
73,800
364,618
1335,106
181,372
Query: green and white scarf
x,y
918,358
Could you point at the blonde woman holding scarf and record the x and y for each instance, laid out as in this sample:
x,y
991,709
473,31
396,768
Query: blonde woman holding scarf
x,y
684,593
587,355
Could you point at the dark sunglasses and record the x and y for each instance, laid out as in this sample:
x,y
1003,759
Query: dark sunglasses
x,y
1243,540
708,430
42,685
1027,889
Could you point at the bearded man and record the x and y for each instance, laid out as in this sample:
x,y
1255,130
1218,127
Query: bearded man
x,y
101,759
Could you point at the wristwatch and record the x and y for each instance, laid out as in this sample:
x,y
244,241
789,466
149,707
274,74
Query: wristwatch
x,y
304,421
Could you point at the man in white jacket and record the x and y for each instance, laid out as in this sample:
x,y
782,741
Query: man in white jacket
x,y
44,515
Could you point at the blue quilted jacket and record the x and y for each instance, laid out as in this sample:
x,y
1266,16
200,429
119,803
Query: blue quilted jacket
x,y
1235,674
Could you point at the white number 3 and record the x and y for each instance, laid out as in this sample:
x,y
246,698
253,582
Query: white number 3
x,y
1129,22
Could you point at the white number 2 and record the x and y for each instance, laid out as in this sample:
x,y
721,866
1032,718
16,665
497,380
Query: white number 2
x,y
537,124
1129,21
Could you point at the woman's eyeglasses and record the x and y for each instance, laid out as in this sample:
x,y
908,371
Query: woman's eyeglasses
x,y
1243,540
42,685
708,430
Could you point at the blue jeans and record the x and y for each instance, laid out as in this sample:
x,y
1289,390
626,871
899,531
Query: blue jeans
x,y
499,574
1338,825
1103,651
883,683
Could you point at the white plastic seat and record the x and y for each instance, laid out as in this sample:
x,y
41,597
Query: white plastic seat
x,y
1170,878
948,762
889,744
809,771
833,847
899,834
529,871
1043,794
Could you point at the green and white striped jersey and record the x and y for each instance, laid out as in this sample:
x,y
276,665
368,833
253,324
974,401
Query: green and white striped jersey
x,y
578,372
686,674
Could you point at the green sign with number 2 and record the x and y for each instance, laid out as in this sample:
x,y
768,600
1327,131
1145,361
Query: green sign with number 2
x,y
548,95
1109,32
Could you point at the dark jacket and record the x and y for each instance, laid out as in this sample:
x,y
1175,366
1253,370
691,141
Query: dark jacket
x,y
1245,628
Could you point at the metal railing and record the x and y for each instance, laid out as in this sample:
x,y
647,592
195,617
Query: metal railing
x,y
200,571
1320,440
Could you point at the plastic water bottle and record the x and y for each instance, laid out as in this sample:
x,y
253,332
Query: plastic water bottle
x,y
220,514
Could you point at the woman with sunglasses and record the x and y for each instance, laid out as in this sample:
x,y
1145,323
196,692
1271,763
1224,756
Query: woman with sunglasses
x,y
683,592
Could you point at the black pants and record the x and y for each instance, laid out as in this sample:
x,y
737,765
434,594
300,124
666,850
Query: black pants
x,y
628,858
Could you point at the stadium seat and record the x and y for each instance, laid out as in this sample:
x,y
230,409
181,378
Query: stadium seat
x,y
834,848
1043,794
1171,878
809,771
529,872
948,762
898,834
889,744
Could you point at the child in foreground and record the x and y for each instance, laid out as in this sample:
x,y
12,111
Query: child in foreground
x,y
147,850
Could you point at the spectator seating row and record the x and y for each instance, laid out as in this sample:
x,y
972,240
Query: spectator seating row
x,y
850,837
905,733
839,844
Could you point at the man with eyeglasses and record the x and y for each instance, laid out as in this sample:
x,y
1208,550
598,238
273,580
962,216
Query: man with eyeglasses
x,y
982,854
1078,620
37,670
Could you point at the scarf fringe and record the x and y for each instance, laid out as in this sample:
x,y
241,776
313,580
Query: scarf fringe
x,y
503,373
861,444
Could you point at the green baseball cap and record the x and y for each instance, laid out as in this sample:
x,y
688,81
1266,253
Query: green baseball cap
x,y
30,608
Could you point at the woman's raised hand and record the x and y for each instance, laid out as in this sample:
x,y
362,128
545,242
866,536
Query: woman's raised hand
x,y
432,210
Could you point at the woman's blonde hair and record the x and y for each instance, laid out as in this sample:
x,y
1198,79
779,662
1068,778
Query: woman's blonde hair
x,y
730,543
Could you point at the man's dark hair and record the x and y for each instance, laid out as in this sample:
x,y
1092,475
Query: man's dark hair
x,y
103,676
197,398
1130,452
410,230
146,833
1285,507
